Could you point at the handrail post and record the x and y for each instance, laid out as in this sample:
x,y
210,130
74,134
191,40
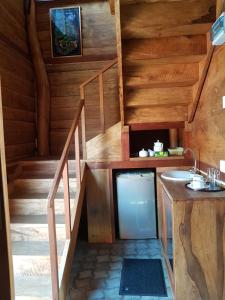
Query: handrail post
x,y
53,251
83,131
67,201
101,95
77,157
83,124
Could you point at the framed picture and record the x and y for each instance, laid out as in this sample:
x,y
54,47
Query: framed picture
x,y
66,31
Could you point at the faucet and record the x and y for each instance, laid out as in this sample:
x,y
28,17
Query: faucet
x,y
194,158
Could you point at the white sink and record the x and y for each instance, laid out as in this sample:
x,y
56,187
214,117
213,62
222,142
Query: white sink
x,y
177,175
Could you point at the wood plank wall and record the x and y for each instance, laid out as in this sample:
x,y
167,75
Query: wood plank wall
x,y
66,74
17,82
208,129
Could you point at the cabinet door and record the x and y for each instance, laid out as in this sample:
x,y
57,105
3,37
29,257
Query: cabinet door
x,y
99,206
168,231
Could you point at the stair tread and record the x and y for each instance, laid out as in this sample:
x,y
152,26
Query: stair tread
x,y
35,248
35,219
28,175
36,196
33,286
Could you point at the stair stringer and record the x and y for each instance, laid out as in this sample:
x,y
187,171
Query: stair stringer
x,y
106,146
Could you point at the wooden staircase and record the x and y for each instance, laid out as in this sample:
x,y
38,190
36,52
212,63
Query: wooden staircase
x,y
164,48
29,227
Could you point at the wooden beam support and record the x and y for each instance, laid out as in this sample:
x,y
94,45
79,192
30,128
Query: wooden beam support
x,y
101,95
173,137
42,83
125,143
120,62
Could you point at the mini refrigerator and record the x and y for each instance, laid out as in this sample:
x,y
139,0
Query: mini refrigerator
x,y
136,204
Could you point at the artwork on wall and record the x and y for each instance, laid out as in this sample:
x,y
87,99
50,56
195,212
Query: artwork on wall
x,y
66,31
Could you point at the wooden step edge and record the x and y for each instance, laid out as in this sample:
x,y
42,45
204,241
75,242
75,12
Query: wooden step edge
x,y
160,84
137,105
33,220
173,59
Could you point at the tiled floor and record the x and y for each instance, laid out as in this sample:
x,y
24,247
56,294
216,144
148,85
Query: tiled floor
x,y
96,269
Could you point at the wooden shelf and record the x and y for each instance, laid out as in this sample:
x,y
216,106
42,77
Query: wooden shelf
x,y
157,158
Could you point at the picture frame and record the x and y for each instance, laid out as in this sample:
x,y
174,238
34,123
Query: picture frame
x,y
65,29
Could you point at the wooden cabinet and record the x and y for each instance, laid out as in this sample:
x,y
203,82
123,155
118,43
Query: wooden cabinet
x,y
165,218
198,236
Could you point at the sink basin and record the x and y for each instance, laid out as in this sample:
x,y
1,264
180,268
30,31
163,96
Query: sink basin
x,y
177,175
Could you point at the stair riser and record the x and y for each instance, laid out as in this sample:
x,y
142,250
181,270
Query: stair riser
x,y
31,265
34,232
35,206
41,168
40,185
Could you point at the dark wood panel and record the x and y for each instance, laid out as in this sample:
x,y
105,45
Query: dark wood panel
x,y
208,128
17,82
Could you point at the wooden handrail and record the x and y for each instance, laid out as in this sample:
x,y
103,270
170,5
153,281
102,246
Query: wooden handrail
x,y
99,73
64,156
63,173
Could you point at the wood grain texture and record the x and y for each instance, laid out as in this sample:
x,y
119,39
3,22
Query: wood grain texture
x,y
147,75
203,71
175,46
198,265
207,134
42,82
106,146
147,20
100,227
66,74
17,82
156,114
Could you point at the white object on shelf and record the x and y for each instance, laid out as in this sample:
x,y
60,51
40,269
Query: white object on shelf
x,y
143,153
136,205
218,31
158,147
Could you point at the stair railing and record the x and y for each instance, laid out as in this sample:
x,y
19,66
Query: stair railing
x,y
99,75
62,173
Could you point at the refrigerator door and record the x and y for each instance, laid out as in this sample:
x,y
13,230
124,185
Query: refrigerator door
x,y
136,205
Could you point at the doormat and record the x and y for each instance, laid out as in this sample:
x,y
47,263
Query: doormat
x,y
142,277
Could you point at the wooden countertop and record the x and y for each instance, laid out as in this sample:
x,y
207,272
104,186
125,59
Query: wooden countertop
x,y
178,192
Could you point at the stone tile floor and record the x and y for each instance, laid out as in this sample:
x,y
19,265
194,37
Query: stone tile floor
x,y
97,267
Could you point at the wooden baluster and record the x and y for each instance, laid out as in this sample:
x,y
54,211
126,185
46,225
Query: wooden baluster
x,y
77,157
83,130
102,111
53,251
82,92
67,201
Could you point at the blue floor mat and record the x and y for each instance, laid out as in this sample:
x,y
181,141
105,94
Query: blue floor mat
x,y
142,277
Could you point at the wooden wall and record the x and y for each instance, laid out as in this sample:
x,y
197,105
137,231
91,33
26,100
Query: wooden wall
x,y
66,74
17,82
208,129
